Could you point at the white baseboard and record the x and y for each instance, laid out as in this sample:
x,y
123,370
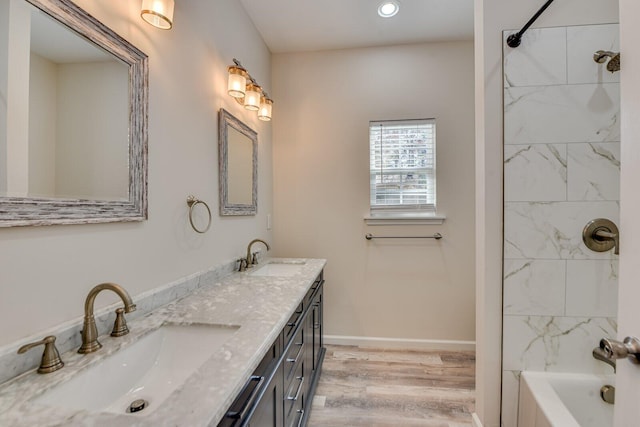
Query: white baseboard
x,y
407,343
475,420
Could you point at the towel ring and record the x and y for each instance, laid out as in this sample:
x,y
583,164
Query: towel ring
x,y
192,202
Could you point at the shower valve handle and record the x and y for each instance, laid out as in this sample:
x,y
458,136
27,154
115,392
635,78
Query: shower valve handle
x,y
629,348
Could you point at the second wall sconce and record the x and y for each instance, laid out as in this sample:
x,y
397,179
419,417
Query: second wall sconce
x,y
158,13
248,92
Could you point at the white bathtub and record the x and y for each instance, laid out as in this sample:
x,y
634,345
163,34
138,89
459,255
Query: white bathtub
x,y
549,399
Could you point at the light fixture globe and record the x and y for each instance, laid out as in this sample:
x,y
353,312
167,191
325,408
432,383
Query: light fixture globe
x,y
266,106
252,96
158,13
237,81
387,9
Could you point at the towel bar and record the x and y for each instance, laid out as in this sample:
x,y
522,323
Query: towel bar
x,y
436,236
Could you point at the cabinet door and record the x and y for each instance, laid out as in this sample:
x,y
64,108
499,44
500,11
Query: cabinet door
x,y
242,407
316,317
269,412
308,357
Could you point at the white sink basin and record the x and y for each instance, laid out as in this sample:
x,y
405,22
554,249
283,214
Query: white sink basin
x,y
277,269
150,369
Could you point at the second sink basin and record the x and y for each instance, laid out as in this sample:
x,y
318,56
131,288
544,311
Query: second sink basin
x,y
277,269
149,369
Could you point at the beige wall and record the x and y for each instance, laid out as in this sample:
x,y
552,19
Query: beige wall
x,y
491,18
403,289
46,272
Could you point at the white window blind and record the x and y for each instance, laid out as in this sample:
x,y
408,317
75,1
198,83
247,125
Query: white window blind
x,y
403,165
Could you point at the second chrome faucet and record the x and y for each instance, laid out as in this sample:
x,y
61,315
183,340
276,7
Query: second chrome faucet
x,y
89,330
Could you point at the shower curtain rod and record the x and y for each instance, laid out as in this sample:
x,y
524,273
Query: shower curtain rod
x,y
514,39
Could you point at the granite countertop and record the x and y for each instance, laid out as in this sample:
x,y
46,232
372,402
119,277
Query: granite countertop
x,y
259,305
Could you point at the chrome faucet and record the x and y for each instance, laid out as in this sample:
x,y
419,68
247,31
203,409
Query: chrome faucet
x,y
600,354
89,331
250,261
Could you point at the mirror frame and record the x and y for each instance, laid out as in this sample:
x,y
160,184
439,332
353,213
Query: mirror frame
x,y
226,120
26,211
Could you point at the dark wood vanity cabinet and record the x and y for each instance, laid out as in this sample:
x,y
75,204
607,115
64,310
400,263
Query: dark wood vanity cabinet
x,y
258,404
280,391
268,412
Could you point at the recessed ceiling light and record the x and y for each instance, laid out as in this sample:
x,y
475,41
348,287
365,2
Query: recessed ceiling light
x,y
388,9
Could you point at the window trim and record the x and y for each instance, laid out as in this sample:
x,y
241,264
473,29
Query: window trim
x,y
407,212
398,219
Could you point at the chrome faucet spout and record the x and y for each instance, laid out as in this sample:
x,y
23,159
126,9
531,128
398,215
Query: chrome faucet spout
x,y
249,258
89,330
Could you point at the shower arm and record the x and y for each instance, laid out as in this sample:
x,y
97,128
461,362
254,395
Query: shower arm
x,y
514,39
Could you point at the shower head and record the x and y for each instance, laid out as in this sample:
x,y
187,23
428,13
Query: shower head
x,y
614,59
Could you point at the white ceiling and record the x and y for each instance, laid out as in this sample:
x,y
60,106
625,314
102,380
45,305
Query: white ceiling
x,y
308,25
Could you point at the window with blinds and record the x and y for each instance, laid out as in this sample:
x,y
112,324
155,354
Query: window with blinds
x,y
403,165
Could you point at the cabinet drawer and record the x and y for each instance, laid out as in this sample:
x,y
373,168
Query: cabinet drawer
x,y
316,284
294,394
293,322
296,416
270,358
294,355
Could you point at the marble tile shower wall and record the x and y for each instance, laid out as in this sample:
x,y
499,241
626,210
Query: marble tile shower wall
x,y
561,170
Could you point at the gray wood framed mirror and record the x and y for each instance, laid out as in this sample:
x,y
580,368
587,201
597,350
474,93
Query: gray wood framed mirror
x,y
238,166
73,127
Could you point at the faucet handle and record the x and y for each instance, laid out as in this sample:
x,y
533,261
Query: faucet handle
x,y
607,235
120,327
254,258
243,264
613,349
51,361
601,235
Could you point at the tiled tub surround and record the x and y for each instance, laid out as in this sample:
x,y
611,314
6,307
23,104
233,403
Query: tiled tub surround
x,y
259,305
561,170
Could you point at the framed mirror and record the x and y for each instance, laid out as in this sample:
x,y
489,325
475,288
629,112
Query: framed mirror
x,y
238,166
73,127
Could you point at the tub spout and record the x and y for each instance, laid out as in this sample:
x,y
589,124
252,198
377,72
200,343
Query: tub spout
x,y
600,354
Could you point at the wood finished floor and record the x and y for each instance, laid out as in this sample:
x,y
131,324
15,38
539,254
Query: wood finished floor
x,y
389,388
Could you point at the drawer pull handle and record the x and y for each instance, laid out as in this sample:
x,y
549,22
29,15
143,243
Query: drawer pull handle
x,y
295,359
301,412
251,400
294,398
316,325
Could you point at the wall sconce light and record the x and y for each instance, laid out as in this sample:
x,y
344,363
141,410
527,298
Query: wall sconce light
x,y
252,97
158,13
237,81
264,113
247,92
